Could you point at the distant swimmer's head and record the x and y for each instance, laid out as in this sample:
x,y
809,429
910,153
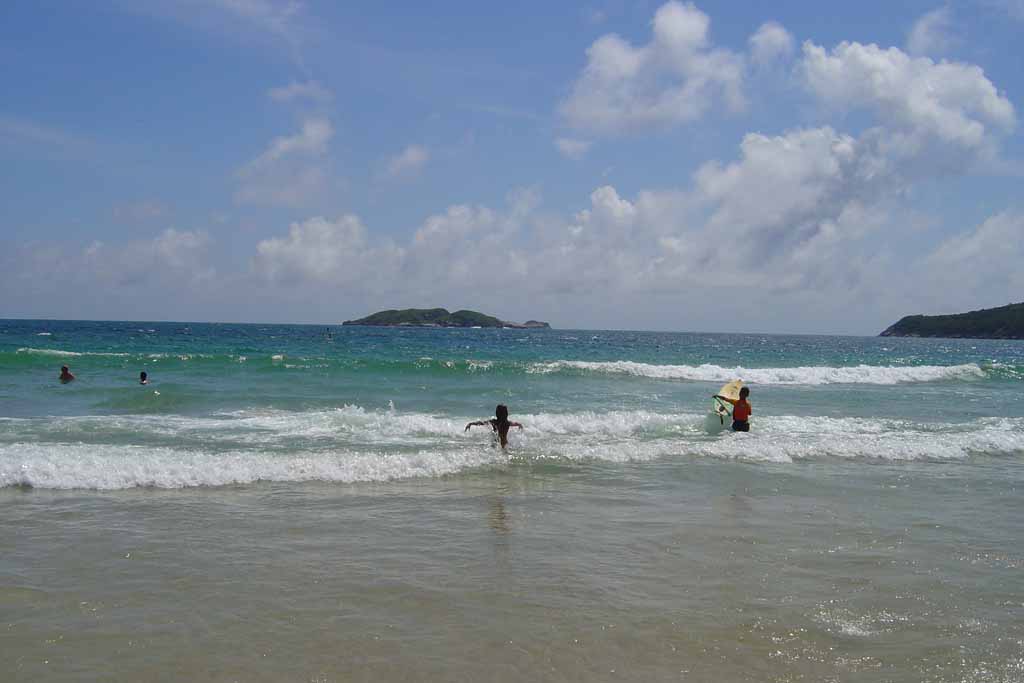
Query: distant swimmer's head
x,y
65,374
501,412
64,370
744,392
143,377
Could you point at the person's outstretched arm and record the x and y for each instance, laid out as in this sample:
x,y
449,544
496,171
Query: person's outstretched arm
x,y
515,424
480,423
730,400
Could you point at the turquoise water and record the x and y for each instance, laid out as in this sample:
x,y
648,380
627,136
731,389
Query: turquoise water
x,y
303,503
240,403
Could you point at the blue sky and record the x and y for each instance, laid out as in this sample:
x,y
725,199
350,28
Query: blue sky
x,y
731,166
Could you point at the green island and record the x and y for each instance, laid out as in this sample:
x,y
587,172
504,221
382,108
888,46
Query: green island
x,y
1004,322
439,317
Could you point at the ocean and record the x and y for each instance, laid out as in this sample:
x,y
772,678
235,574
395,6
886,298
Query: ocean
x,y
289,502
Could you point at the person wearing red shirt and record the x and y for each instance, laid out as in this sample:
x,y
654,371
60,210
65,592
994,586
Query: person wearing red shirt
x,y
741,410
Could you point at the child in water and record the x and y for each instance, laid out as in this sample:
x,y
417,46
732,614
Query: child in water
x,y
741,410
499,423
65,375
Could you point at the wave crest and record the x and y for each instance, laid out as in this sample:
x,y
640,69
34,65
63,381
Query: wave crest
x,y
812,375
355,445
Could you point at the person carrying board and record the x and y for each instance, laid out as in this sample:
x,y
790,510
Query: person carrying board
x,y
741,410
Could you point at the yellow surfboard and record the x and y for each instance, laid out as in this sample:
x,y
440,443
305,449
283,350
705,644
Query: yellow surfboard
x,y
723,409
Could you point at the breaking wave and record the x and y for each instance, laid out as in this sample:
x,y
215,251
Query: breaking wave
x,y
857,374
351,444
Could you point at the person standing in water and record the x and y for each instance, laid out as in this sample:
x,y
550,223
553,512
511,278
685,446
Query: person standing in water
x,y
143,378
65,375
499,423
741,410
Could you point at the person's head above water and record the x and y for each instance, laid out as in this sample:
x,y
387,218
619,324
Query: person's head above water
x,y
64,370
744,392
143,377
501,412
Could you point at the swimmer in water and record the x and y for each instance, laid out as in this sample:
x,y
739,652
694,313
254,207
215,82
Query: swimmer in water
x,y
499,423
143,378
65,375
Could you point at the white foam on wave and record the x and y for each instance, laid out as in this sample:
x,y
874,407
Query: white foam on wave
x,y
61,352
353,444
792,438
80,466
812,375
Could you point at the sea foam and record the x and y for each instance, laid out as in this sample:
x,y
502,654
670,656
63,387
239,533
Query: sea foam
x,y
356,445
811,375
61,352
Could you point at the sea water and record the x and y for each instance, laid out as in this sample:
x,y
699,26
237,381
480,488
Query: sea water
x,y
303,503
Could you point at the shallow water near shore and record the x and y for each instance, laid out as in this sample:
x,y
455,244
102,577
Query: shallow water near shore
x,y
333,521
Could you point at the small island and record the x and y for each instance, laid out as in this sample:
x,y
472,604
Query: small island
x,y
1004,322
439,317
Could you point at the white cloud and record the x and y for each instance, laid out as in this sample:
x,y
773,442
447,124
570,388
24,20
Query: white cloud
x,y
769,43
325,251
675,78
281,187
166,277
311,140
931,34
310,90
408,162
281,24
946,107
276,16
174,260
43,139
806,220
290,171
572,148
984,261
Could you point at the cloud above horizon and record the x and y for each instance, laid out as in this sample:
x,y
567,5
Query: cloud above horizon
x,y
814,212
675,78
290,171
932,33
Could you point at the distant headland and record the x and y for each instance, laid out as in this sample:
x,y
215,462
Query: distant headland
x,y
439,317
1005,322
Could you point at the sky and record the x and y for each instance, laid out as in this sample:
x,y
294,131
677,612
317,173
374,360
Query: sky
x,y
785,167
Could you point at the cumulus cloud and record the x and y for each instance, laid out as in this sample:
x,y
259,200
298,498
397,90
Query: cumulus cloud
x,y
290,171
983,261
407,162
931,34
172,261
784,205
572,148
173,256
675,78
947,112
807,217
309,90
769,43
325,251
810,216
